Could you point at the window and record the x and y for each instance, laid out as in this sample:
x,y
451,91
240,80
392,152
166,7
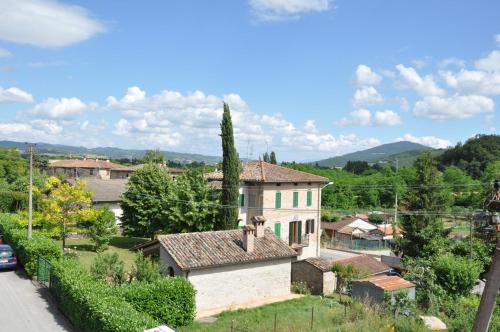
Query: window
x,y
295,232
252,199
277,229
295,199
310,226
242,200
309,198
277,200
171,272
91,171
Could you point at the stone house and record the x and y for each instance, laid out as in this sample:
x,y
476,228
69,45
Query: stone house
x,y
88,168
290,200
316,273
375,288
229,268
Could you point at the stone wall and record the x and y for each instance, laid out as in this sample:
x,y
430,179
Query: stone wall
x,y
318,281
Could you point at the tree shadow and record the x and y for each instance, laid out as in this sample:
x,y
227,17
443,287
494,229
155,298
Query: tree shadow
x,y
123,242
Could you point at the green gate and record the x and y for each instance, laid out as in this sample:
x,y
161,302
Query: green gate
x,y
43,271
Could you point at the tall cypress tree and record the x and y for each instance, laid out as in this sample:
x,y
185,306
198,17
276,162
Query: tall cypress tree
x,y
231,180
265,157
272,158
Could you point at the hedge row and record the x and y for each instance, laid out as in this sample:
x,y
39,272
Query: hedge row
x,y
28,251
94,306
169,300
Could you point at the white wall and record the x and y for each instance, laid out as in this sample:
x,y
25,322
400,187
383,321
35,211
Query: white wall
x,y
222,287
113,207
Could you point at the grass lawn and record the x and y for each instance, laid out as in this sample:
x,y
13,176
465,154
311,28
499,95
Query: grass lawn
x,y
296,315
118,244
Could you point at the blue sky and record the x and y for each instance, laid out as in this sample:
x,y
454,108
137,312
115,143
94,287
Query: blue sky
x,y
306,78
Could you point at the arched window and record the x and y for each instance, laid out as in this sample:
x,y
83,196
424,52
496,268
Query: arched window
x,y
171,272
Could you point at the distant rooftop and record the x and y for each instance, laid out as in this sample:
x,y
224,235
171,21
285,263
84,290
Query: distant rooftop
x,y
388,283
84,163
104,190
260,171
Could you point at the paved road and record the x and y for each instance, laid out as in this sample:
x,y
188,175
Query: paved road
x,y
24,307
335,254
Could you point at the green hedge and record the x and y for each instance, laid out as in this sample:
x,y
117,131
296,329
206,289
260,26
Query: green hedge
x,y
170,301
94,306
28,251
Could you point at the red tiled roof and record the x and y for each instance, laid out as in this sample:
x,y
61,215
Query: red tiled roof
x,y
216,248
84,163
388,229
337,225
388,283
260,171
364,264
323,264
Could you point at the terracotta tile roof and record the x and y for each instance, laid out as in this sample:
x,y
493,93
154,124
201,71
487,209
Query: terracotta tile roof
x,y
323,264
388,283
208,249
388,229
105,190
81,163
364,264
260,171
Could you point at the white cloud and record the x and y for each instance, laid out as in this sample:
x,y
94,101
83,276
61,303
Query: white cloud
x,y
15,95
432,141
365,76
361,117
497,39
366,96
45,23
404,105
279,10
452,62
425,86
490,63
454,107
387,118
473,82
4,53
54,108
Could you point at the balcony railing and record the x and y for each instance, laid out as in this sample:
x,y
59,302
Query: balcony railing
x,y
303,242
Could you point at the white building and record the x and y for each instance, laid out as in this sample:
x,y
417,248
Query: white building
x,y
228,268
290,200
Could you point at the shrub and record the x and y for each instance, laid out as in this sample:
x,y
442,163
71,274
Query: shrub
x,y
300,287
146,269
28,251
376,218
455,274
169,300
103,229
94,306
108,268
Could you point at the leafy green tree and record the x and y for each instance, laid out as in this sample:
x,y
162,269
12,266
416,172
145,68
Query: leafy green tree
x,y
146,269
345,274
154,157
272,158
195,208
426,196
457,275
108,268
265,157
231,168
145,202
103,229
357,167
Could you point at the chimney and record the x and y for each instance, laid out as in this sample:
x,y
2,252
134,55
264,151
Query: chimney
x,y
258,222
248,236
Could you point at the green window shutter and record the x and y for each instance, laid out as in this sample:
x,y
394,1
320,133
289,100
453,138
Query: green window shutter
x,y
299,231
290,233
277,229
277,200
242,200
308,225
309,198
295,199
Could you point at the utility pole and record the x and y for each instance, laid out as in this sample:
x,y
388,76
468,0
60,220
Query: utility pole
x,y
30,195
396,200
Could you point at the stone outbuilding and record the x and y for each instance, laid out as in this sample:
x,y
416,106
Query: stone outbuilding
x,y
375,288
317,273
229,269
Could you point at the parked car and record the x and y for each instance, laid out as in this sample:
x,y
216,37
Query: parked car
x,y
8,259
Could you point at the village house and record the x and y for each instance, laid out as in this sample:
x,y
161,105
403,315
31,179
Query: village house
x,y
290,200
88,168
230,268
348,228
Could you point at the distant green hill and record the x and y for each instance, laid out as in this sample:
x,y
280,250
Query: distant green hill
x,y
109,152
405,152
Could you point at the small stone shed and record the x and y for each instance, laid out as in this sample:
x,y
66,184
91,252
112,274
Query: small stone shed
x,y
228,269
317,273
374,288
